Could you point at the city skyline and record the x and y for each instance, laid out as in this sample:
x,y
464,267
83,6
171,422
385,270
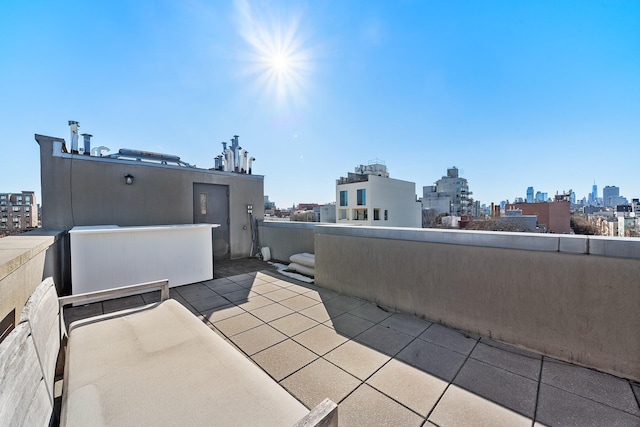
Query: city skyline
x,y
513,94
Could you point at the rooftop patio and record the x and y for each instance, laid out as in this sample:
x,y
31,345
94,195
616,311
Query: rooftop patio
x,y
386,368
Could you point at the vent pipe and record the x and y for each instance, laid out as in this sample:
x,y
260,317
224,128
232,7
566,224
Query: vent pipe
x,y
243,161
87,143
218,164
99,151
73,125
228,159
251,160
235,148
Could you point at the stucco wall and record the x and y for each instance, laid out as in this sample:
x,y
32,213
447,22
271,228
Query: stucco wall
x,y
286,238
572,298
82,190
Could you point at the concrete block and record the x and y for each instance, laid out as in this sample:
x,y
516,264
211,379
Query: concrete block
x,y
284,358
384,340
517,363
558,407
410,386
460,407
319,380
367,407
619,247
593,385
357,359
497,385
524,241
574,244
449,338
432,359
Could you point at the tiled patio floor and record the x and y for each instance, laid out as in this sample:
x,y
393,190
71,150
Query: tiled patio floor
x,y
386,368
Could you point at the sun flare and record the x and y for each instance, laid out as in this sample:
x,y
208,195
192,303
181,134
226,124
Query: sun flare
x,y
280,63
279,60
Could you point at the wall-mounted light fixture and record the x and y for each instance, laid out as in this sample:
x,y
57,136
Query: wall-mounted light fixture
x,y
128,179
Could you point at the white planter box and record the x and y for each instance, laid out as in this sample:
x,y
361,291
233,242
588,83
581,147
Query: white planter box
x,y
108,256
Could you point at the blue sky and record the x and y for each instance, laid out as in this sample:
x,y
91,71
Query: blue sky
x,y
513,93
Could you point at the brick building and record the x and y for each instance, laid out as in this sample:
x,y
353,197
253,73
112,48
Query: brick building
x,y
554,216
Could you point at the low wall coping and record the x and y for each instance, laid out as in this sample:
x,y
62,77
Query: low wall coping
x,y
288,224
16,251
619,247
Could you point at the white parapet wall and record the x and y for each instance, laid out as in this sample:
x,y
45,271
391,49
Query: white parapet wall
x,y
574,298
105,257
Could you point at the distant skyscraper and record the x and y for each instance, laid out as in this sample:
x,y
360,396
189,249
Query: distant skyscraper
x,y
541,197
610,196
529,194
594,194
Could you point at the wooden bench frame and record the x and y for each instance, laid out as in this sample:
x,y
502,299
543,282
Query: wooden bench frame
x,y
29,354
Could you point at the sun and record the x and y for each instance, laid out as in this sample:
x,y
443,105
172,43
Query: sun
x,y
280,63
279,60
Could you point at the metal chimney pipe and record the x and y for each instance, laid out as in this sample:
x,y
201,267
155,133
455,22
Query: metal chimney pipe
x,y
73,125
87,143
235,147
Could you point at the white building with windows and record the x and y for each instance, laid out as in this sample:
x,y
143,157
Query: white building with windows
x,y
370,197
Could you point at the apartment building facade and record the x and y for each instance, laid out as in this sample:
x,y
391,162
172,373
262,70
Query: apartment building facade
x,y
370,197
18,211
450,195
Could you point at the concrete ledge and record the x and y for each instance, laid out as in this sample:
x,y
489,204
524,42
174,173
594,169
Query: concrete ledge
x,y
16,251
25,260
289,224
619,247
526,241
574,244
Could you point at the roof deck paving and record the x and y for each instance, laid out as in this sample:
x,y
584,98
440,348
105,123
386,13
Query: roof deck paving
x,y
385,368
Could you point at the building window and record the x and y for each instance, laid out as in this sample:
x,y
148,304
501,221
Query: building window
x,y
26,209
342,214
344,200
16,209
362,197
203,203
376,214
360,214
386,215
27,199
